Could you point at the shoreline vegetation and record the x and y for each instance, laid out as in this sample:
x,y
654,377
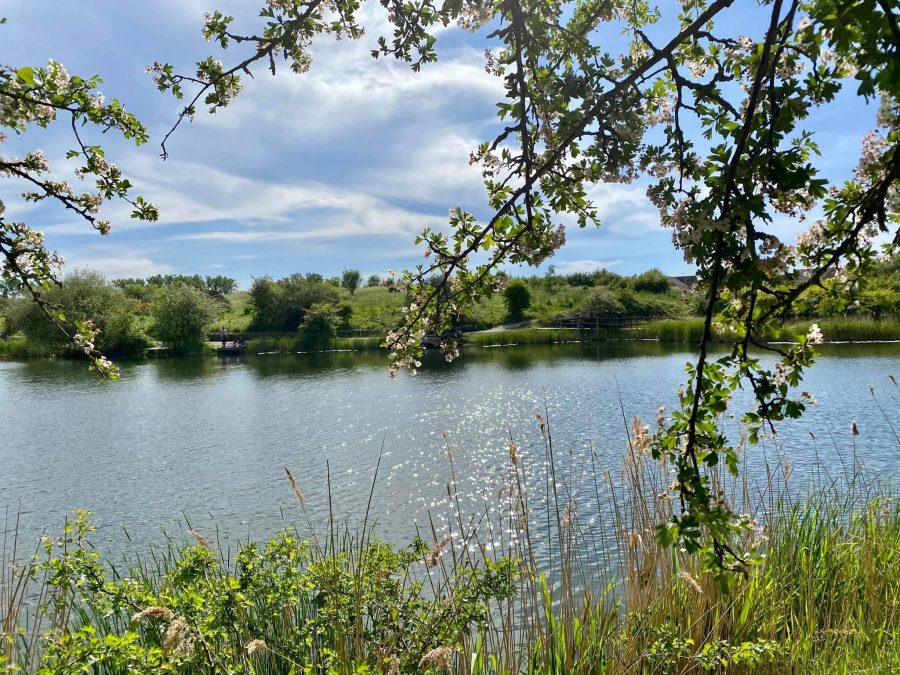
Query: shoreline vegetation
x,y
475,600
685,331
311,313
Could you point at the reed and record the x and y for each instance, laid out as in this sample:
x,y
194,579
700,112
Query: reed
x,y
20,348
846,329
525,336
825,598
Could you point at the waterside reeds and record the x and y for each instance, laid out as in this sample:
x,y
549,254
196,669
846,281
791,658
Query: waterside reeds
x,y
530,591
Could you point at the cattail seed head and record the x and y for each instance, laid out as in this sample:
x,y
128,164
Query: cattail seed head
x,y
255,646
294,486
161,613
437,551
440,658
178,638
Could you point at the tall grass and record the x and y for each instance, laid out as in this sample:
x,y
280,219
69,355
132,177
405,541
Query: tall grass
x,y
20,348
824,599
525,336
840,329
835,329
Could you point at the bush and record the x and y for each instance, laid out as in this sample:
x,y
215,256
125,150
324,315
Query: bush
x,y
517,298
651,281
319,326
604,302
181,316
373,281
281,305
83,295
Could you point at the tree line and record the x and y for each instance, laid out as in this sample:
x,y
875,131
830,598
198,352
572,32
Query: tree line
x,y
180,311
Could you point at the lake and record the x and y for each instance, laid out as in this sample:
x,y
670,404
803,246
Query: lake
x,y
206,439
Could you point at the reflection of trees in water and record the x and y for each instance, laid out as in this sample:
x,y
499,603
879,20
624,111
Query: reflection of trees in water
x,y
510,357
186,367
310,364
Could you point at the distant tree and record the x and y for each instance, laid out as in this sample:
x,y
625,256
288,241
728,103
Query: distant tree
x,y
221,285
263,301
517,298
181,316
83,296
373,280
10,287
164,280
651,281
280,305
580,279
351,279
604,302
344,313
319,325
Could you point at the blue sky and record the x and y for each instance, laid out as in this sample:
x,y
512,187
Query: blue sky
x,y
339,167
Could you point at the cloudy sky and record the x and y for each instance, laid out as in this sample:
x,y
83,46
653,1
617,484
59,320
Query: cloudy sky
x,y
340,167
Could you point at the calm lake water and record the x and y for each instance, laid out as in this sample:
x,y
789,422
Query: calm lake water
x,y
206,439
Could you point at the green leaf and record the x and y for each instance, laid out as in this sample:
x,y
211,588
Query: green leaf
x,y
25,75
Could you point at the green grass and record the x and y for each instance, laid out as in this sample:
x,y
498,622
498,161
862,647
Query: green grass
x,y
840,329
17,347
835,329
524,336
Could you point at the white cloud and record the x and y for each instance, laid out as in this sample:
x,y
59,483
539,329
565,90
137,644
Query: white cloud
x,y
116,267
573,266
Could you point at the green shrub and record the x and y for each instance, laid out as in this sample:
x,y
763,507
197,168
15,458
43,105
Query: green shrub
x,y
651,281
181,317
319,326
517,298
604,302
83,295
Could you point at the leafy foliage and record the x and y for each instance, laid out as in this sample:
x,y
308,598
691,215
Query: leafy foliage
x,y
517,299
281,305
351,280
83,296
181,317
38,97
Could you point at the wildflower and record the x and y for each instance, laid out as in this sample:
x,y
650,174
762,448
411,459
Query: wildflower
x,y
255,646
439,658
854,430
161,613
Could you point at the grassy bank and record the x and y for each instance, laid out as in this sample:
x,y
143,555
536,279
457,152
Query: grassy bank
x,y
835,329
20,348
292,345
826,597
524,336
